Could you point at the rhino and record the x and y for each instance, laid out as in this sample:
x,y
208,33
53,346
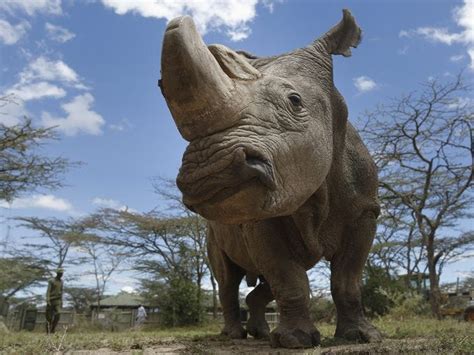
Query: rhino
x,y
282,177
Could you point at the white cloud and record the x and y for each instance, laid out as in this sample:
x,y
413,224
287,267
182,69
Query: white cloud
x,y
239,34
461,102
37,91
128,289
470,53
10,34
121,125
464,18
456,58
11,113
43,68
35,80
403,33
403,51
433,34
49,202
58,33
31,7
110,203
364,84
269,4
41,78
79,118
232,15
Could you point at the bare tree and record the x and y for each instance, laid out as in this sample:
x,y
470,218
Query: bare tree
x,y
423,146
397,245
103,258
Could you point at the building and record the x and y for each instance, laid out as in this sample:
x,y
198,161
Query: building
x,y
120,311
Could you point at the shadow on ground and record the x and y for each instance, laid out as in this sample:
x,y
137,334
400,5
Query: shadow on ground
x,y
221,345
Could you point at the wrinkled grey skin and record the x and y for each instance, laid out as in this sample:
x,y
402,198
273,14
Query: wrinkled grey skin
x,y
279,172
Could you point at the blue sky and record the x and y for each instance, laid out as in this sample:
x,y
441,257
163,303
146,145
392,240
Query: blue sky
x,y
91,67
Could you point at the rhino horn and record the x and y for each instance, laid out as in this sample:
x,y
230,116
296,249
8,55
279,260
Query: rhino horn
x,y
199,85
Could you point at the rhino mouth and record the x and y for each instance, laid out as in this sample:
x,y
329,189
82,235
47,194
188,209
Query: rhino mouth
x,y
247,168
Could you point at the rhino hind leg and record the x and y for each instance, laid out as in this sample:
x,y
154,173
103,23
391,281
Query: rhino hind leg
x,y
228,276
346,274
257,301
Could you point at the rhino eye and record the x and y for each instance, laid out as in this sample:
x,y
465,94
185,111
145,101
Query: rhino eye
x,y
295,100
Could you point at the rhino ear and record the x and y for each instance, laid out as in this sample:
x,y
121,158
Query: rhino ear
x,y
343,36
235,65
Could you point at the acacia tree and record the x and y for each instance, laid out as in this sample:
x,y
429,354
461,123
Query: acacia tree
x,y
19,274
195,228
423,146
24,169
80,297
161,249
53,241
22,166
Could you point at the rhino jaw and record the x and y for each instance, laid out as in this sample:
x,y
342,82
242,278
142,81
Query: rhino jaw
x,y
246,167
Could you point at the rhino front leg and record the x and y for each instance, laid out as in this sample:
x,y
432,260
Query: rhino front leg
x,y
346,274
291,290
228,276
257,301
288,282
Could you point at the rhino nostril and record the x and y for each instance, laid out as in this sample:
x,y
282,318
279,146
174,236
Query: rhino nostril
x,y
256,165
253,161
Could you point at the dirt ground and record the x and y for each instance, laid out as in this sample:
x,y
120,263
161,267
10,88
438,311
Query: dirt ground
x,y
407,335
251,346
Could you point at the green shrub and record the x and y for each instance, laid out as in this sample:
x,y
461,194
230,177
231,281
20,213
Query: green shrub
x,y
322,309
409,304
179,305
377,290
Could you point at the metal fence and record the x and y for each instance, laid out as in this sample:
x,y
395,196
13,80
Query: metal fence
x,y
116,319
23,318
32,319
112,319
272,318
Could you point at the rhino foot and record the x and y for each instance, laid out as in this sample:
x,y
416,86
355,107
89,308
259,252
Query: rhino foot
x,y
234,332
362,331
295,337
258,328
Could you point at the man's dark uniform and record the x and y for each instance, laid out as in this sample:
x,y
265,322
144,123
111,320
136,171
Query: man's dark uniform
x,y
54,300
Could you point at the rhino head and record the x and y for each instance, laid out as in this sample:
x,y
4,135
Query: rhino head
x,y
263,132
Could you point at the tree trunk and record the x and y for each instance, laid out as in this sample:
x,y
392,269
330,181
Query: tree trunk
x,y
214,296
435,293
199,297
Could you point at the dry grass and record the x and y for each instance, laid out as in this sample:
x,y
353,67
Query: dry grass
x,y
408,335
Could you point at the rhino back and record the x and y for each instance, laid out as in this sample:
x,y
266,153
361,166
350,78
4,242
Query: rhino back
x,y
360,170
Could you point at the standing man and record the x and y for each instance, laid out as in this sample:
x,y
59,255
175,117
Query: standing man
x,y
54,300
141,316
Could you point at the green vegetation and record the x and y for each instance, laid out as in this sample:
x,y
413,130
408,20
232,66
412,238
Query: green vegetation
x,y
409,334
